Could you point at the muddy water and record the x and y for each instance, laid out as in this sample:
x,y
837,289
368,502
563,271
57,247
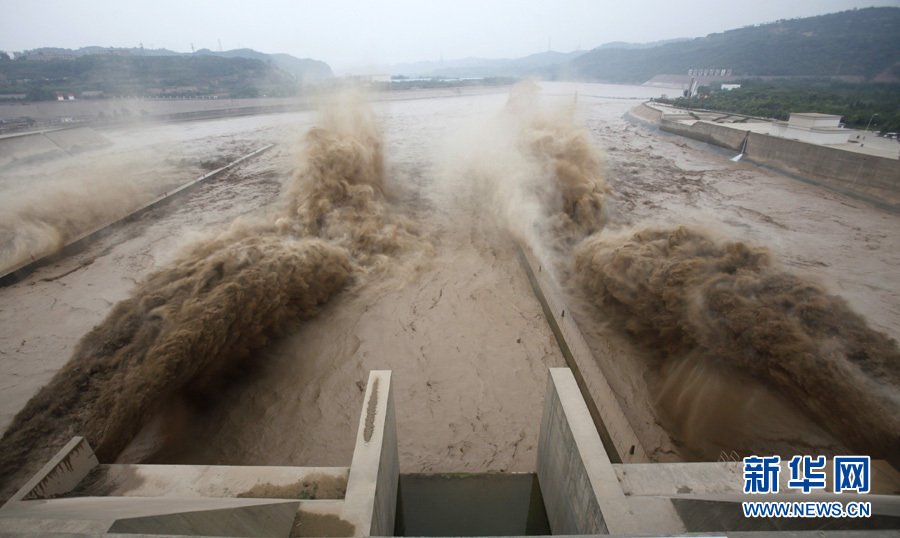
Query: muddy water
x,y
463,333
461,330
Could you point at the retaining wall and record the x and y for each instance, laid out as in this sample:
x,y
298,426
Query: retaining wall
x,y
647,113
620,440
112,108
27,148
866,177
47,145
77,139
579,485
710,133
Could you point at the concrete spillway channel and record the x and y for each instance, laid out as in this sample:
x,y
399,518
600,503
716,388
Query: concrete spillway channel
x,y
620,441
14,273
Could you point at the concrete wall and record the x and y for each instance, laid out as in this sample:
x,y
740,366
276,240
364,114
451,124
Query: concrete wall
x,y
867,177
26,149
47,145
77,139
21,268
618,436
371,500
136,515
710,133
645,112
579,485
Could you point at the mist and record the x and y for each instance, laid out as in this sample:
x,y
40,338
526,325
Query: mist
x,y
190,323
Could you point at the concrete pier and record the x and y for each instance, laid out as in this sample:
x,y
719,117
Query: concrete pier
x,y
75,494
573,469
619,438
371,501
584,493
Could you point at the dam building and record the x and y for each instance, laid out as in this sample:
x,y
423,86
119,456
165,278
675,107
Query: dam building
x,y
812,128
592,478
581,491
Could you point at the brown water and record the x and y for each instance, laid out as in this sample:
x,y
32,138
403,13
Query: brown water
x,y
456,322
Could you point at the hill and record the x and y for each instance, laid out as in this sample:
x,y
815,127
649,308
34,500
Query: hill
x,y
302,69
159,76
171,76
864,42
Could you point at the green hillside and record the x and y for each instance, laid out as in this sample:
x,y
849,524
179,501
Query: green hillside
x,y
302,69
864,42
160,76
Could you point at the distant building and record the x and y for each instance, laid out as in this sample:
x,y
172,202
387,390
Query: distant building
x,y
813,128
729,87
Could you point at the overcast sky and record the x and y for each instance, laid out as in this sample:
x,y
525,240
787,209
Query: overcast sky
x,y
351,34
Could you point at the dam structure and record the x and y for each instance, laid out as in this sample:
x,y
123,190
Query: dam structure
x,y
584,493
592,478
591,473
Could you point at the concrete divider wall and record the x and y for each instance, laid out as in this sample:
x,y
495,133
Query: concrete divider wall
x,y
867,177
47,145
62,473
645,112
710,133
618,436
578,482
27,148
77,139
860,174
371,500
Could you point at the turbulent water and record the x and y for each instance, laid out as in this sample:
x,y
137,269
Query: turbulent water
x,y
412,210
224,297
686,292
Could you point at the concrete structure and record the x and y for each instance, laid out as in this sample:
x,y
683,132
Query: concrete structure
x,y
848,170
812,128
75,494
580,488
156,109
22,267
45,145
33,147
584,493
618,435
371,501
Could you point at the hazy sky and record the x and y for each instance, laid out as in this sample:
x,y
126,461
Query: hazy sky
x,y
351,34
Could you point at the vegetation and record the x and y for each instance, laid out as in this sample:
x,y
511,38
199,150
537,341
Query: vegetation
x,y
162,76
859,43
856,103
